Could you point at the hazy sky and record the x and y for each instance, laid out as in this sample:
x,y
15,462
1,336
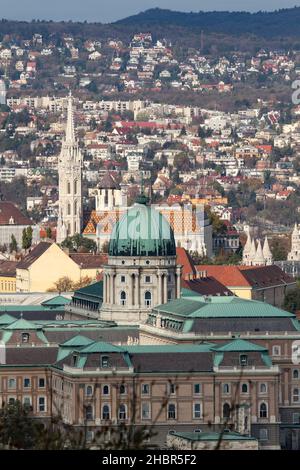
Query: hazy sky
x,y
110,10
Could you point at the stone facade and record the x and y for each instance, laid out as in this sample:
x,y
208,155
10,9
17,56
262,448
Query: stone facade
x,y
133,285
70,182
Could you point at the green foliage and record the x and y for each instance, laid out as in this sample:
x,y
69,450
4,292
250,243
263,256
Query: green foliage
x,y
292,300
13,246
27,238
17,429
218,226
48,232
79,243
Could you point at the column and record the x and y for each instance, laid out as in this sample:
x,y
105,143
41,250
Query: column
x,y
104,289
137,290
165,297
131,300
178,279
113,288
159,292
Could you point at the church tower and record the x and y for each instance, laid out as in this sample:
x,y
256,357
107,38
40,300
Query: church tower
x,y
70,182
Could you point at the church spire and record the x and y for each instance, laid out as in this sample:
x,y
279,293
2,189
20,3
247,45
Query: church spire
x,y
70,132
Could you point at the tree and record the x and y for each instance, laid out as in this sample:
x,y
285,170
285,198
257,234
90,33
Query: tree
x,y
292,300
13,246
85,281
104,247
48,232
17,429
64,284
27,238
79,243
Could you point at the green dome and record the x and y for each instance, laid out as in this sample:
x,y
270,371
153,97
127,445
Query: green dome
x,y
142,231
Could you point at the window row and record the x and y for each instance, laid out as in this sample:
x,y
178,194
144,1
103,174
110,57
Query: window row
x,y
12,383
228,410
27,401
172,387
147,298
122,413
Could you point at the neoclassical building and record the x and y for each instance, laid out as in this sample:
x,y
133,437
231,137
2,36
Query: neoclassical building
x,y
70,182
141,271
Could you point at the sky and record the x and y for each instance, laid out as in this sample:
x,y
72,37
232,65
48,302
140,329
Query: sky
x,y
110,10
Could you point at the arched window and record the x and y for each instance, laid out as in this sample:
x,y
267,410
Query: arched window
x,y
246,423
105,390
122,411
105,412
171,411
263,388
75,187
123,298
75,208
244,388
25,337
122,389
69,209
89,390
295,374
89,412
226,388
68,187
148,299
263,410
226,411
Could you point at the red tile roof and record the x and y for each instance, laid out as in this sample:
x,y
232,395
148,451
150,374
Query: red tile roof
x,y
184,258
89,260
8,211
227,275
248,276
206,286
34,254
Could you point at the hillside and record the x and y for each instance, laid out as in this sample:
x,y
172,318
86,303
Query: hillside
x,y
284,23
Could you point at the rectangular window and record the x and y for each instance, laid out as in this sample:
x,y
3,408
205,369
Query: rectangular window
x,y
147,279
296,395
12,383
243,359
197,389
276,351
172,389
123,278
27,401
296,418
263,434
197,411
41,382
41,404
146,410
145,389
11,400
26,382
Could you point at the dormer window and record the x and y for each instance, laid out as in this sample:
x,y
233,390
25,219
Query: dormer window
x,y
104,361
11,221
243,359
25,337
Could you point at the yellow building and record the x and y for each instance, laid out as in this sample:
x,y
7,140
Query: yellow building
x,y
47,263
7,276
